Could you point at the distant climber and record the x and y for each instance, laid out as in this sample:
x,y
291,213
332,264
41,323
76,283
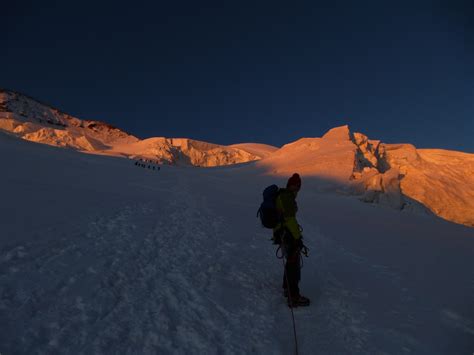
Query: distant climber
x,y
288,232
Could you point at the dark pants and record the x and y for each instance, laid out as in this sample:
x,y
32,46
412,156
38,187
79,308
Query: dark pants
x,y
292,274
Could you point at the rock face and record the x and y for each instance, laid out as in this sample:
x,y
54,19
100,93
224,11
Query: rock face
x,y
37,122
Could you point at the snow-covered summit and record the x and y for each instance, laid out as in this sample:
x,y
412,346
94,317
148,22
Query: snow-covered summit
x,y
341,133
398,175
34,121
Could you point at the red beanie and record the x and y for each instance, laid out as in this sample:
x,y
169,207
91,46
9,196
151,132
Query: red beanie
x,y
295,180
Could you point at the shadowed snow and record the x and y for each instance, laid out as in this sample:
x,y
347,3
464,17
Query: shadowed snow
x,y
99,256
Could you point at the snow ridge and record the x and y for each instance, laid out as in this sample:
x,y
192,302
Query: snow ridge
x,y
401,176
37,122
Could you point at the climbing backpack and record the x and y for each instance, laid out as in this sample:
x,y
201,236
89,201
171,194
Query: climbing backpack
x,y
268,212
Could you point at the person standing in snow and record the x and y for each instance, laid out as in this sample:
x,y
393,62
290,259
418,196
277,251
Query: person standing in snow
x,y
289,232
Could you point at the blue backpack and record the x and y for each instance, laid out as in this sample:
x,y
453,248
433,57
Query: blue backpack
x,y
268,212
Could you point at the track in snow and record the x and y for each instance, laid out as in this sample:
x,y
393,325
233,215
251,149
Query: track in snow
x,y
145,278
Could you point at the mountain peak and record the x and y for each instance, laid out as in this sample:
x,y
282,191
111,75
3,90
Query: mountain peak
x,y
32,120
341,133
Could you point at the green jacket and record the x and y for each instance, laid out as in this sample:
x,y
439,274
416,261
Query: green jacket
x,y
287,207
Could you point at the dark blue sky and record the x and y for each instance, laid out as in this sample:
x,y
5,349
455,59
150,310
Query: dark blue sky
x,y
236,71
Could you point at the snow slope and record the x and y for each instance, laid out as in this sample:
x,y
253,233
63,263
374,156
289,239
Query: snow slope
x,y
258,149
37,122
443,180
100,256
329,157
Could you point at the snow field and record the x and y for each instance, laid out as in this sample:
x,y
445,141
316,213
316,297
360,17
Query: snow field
x,y
97,256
